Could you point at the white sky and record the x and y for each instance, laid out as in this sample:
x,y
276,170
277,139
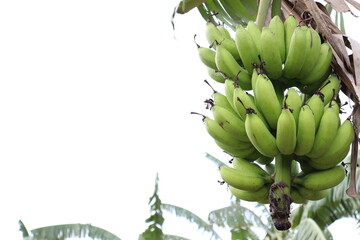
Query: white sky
x,y
95,100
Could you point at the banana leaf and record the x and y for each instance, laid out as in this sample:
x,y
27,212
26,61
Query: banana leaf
x,y
308,229
23,229
192,218
173,237
186,5
215,160
58,232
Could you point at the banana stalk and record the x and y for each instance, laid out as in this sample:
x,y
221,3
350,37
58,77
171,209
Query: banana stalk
x,y
279,196
262,12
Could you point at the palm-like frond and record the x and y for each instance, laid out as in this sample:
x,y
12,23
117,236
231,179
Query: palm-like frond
x,y
240,233
215,160
308,229
173,237
57,232
191,217
234,216
23,229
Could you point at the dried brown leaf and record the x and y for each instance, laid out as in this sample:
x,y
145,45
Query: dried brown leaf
x,y
352,90
338,39
339,5
354,3
351,191
355,46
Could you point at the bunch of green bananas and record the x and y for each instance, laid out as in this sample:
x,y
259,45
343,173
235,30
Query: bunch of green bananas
x,y
249,181
290,54
280,99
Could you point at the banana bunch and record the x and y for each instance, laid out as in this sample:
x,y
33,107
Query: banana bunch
x,y
279,114
259,126
289,53
251,182
247,180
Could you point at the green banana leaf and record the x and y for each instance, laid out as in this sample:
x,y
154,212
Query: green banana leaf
x,y
186,5
215,160
58,232
235,216
240,233
173,237
230,12
23,230
308,229
192,218
156,219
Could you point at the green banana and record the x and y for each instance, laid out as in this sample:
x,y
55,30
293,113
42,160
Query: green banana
x,y
245,181
312,54
296,196
230,122
330,88
247,49
224,31
243,100
338,149
261,195
253,156
228,65
316,104
219,134
326,133
229,92
276,25
243,150
312,195
294,102
221,100
214,35
206,55
304,165
321,180
286,132
296,55
311,88
289,27
270,54
244,165
270,168
305,131
255,33
334,105
322,66
264,160
266,100
254,76
216,75
259,134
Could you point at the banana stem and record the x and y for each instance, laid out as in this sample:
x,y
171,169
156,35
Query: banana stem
x,y
279,195
276,8
263,9
283,171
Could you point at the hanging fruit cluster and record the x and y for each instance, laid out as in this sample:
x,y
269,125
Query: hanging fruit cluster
x,y
291,114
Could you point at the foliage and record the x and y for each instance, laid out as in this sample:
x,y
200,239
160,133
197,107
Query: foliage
x,y
326,211
156,220
60,232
